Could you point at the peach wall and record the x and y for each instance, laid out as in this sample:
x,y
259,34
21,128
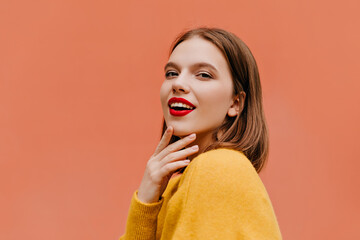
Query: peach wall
x,y
80,111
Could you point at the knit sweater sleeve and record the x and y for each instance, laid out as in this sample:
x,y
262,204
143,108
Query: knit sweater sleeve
x,y
225,199
141,221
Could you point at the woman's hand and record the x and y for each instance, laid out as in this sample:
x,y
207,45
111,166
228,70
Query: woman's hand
x,y
163,163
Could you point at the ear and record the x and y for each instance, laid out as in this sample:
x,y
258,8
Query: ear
x,y
237,105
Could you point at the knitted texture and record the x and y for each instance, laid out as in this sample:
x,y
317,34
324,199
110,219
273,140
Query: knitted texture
x,y
219,196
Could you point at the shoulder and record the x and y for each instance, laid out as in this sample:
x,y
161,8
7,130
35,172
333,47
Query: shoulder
x,y
223,168
223,160
224,176
220,189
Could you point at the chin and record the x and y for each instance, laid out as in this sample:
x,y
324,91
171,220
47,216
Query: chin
x,y
181,130
181,133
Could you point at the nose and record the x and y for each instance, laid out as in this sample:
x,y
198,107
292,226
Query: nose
x,y
180,84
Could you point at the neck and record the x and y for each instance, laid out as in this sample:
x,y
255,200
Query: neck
x,y
203,140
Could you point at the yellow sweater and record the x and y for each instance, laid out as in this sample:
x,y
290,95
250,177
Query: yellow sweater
x,y
219,196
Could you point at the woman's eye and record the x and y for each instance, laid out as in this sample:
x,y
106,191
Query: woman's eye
x,y
170,74
205,75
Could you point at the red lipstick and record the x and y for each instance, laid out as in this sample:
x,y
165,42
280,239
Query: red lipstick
x,y
180,113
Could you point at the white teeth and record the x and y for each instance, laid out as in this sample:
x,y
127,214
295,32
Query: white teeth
x,y
178,104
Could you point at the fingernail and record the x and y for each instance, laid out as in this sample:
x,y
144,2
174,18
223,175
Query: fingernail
x,y
168,129
192,136
195,147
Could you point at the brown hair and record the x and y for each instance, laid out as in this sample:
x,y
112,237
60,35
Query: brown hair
x,y
247,132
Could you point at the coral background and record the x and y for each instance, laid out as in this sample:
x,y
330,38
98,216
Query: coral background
x,y
80,113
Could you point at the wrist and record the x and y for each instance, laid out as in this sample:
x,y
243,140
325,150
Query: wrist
x,y
144,197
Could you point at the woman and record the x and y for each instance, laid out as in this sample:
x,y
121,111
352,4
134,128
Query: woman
x,y
215,139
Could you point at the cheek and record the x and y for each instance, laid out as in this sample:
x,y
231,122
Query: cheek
x,y
163,94
216,101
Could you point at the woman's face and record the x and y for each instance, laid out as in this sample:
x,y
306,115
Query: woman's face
x,y
197,75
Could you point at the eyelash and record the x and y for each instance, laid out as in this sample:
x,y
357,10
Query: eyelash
x,y
206,74
169,74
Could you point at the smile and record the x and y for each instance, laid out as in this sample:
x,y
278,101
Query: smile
x,y
180,107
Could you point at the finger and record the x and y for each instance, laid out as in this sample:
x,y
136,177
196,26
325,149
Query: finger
x,y
173,166
176,146
180,155
164,140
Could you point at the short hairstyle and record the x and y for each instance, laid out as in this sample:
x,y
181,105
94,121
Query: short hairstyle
x,y
247,132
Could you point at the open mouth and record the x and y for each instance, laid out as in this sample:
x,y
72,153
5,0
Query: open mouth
x,y
179,112
177,106
180,106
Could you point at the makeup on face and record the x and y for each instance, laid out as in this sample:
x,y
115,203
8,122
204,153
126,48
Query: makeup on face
x,y
197,92
180,106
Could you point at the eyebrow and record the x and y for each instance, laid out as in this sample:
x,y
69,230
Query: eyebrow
x,y
200,64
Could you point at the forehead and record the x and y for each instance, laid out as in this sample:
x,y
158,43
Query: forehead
x,y
196,50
